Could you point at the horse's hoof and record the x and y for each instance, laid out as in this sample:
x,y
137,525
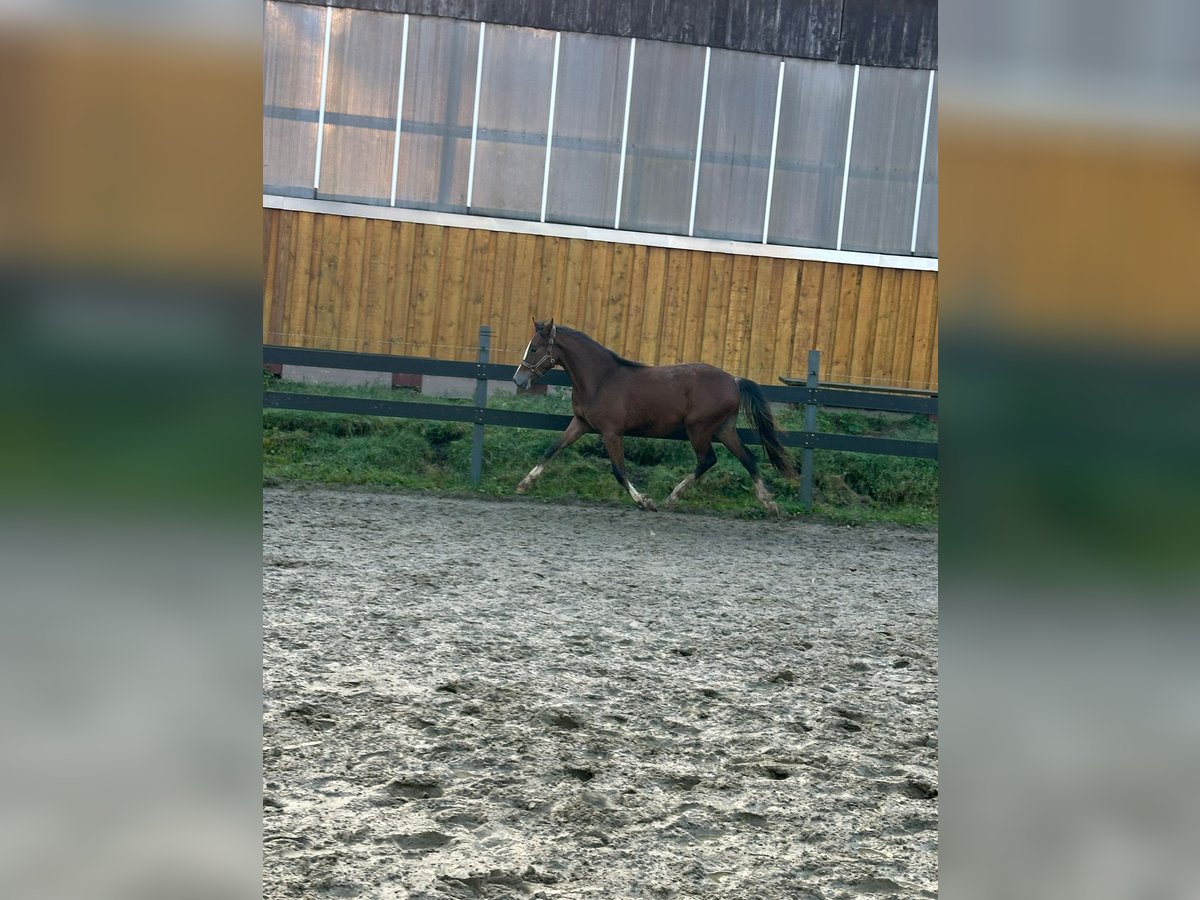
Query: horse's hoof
x,y
522,488
649,506
670,504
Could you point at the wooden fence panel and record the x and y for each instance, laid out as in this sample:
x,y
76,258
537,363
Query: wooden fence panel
x,y
345,283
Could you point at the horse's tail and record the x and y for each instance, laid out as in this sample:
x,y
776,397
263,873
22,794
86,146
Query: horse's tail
x,y
758,411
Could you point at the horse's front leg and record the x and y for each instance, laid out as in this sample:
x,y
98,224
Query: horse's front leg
x,y
576,429
615,445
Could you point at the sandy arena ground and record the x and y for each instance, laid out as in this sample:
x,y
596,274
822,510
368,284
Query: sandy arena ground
x,y
519,700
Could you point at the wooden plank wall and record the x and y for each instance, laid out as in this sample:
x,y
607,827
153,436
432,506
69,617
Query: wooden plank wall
x,y
376,286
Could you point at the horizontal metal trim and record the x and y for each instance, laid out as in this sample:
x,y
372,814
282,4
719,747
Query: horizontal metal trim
x,y
608,235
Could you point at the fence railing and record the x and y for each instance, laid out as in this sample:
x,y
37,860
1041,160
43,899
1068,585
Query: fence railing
x,y
810,394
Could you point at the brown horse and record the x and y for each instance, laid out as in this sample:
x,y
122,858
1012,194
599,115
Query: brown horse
x,y
617,397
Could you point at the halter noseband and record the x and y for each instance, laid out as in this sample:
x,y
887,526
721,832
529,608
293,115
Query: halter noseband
x,y
537,368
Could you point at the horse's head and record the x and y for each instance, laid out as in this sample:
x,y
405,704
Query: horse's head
x,y
542,354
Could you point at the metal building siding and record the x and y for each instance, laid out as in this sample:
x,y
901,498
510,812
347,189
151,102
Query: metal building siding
x,y
898,33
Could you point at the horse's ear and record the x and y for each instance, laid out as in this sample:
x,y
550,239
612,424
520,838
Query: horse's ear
x,y
550,324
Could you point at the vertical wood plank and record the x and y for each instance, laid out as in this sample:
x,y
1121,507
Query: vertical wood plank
x,y
271,307
716,309
350,299
635,321
428,263
561,274
523,295
370,323
741,309
789,293
323,323
599,276
301,251
501,295
553,260
812,276
864,332
466,332
885,327
522,329
674,308
933,362
276,279
760,353
575,283
847,318
341,311
617,301
777,326
831,289
482,278
906,319
920,367
402,288
449,308
652,315
697,297
364,292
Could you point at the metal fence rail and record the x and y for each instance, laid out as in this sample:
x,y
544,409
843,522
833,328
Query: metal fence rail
x,y
811,395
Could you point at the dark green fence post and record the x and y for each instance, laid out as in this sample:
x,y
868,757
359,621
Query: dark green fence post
x,y
810,426
481,383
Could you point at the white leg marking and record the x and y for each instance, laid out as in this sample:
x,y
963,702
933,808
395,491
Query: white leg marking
x,y
534,474
764,496
640,499
679,489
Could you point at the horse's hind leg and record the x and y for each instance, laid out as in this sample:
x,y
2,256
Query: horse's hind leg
x,y
727,435
706,458
615,446
576,429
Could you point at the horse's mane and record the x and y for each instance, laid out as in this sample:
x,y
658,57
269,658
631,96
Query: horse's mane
x,y
620,360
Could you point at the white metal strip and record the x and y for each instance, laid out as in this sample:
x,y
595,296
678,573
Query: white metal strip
x,y
774,148
625,133
550,126
587,233
921,170
699,143
846,170
324,87
399,108
475,117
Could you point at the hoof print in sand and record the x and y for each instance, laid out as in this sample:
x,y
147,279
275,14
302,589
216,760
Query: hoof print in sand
x,y
496,883
314,716
406,788
418,841
919,789
562,719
